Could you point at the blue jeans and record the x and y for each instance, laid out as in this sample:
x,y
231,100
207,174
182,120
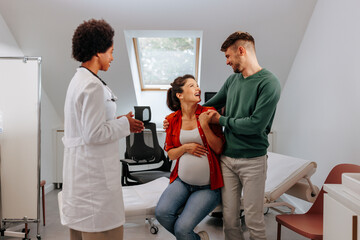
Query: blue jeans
x,y
196,201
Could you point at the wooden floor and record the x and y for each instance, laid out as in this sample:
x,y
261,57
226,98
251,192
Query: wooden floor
x,y
140,230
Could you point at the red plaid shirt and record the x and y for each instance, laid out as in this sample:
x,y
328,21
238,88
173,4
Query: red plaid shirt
x,y
173,141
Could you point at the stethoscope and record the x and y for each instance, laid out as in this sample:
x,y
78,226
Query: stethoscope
x,y
113,97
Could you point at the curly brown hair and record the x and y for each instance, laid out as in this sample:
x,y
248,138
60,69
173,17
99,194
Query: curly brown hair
x,y
91,37
234,37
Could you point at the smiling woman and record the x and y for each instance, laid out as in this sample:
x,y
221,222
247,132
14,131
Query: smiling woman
x,y
106,58
196,180
92,199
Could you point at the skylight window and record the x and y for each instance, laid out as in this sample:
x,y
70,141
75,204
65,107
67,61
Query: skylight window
x,y
161,59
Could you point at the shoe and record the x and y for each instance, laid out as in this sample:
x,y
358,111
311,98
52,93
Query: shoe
x,y
203,235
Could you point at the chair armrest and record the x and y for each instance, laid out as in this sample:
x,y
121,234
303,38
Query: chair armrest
x,y
133,162
128,161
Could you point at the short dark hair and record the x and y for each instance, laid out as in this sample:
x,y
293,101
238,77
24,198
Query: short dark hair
x,y
234,37
91,37
176,87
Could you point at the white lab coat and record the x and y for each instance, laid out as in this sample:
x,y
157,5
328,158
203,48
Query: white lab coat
x,y
92,193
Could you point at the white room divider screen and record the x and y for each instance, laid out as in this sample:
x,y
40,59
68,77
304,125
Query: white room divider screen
x,y
20,89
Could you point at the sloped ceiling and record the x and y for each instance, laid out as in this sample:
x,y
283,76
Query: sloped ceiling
x,y
45,27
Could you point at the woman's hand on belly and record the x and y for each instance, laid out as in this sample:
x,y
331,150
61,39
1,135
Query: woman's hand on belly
x,y
191,148
195,149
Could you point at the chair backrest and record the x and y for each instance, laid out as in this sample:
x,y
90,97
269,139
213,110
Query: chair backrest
x,y
334,177
138,150
143,113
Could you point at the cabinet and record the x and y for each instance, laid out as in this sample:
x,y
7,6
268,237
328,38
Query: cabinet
x,y
341,214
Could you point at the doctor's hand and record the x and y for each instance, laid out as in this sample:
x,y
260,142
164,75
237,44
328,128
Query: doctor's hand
x,y
195,149
136,126
165,124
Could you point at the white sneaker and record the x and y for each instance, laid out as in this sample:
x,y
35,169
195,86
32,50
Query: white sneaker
x,y
203,235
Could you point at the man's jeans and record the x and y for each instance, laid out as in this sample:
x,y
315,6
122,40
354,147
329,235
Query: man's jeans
x,y
197,201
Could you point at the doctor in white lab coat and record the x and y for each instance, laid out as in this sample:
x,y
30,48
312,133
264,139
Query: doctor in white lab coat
x,y
93,205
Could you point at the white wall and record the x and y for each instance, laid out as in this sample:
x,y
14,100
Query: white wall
x,y
319,111
8,45
49,117
49,122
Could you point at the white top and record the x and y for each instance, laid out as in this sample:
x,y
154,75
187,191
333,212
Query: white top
x,y
92,194
192,169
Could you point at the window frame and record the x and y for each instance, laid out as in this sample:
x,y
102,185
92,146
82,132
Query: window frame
x,y
163,87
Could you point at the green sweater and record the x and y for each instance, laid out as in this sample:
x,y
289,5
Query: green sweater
x,y
250,108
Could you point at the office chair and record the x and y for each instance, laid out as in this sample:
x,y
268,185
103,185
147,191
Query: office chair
x,y
310,224
139,154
